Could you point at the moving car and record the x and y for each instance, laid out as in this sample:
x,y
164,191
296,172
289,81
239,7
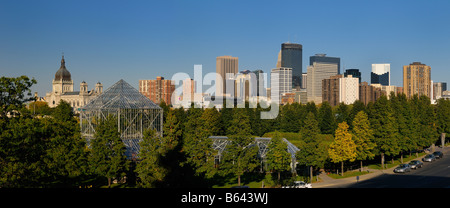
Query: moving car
x,y
415,164
402,168
429,158
438,154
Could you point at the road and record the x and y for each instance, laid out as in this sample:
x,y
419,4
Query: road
x,y
432,175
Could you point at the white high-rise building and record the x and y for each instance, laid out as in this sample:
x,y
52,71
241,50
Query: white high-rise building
x,y
348,89
280,82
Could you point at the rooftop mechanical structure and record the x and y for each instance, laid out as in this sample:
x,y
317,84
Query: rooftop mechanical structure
x,y
220,143
134,113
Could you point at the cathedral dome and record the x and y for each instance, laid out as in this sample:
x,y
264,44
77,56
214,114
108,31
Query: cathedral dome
x,y
63,73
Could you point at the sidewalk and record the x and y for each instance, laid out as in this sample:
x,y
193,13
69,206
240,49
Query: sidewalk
x,y
328,182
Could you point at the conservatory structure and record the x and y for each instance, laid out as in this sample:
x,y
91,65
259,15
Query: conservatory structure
x,y
220,143
134,113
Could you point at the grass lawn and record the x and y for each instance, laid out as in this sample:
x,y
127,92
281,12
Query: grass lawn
x,y
388,163
348,174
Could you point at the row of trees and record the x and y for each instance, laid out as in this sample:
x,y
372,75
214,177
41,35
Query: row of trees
x,y
49,151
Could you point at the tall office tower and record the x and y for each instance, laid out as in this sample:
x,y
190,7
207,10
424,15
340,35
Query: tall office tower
x,y
319,70
157,90
280,82
354,72
381,74
323,58
226,67
417,80
291,57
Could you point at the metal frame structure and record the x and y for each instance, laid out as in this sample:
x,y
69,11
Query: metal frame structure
x,y
220,143
134,113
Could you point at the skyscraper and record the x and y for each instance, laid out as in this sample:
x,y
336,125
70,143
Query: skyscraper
x,y
318,70
323,58
280,82
417,80
381,74
291,57
227,68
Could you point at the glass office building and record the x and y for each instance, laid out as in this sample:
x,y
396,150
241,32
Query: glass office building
x,y
354,72
380,74
291,57
323,58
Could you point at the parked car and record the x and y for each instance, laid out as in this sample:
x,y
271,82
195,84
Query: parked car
x,y
438,154
415,164
402,168
429,158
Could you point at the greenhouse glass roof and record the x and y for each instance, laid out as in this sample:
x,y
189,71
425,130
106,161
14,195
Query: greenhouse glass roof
x,y
121,95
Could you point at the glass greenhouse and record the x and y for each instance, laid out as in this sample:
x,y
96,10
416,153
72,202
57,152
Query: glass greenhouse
x,y
134,113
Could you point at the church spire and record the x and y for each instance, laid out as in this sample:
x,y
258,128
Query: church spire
x,y
63,62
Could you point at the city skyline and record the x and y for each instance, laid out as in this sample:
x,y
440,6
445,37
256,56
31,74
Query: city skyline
x,y
109,41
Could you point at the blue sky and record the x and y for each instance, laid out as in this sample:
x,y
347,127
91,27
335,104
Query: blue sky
x,y
111,40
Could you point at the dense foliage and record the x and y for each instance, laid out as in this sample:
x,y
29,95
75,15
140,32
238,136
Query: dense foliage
x,y
42,147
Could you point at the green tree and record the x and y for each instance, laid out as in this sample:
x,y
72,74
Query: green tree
x,y
443,116
384,127
363,138
240,156
427,120
342,148
40,108
197,145
149,167
22,145
313,153
210,122
406,123
66,153
13,92
278,158
343,114
325,117
108,151
172,132
240,124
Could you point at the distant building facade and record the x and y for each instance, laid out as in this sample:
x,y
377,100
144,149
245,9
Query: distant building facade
x,y
323,58
280,82
319,70
438,89
339,89
417,80
157,90
227,67
354,72
368,93
62,89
